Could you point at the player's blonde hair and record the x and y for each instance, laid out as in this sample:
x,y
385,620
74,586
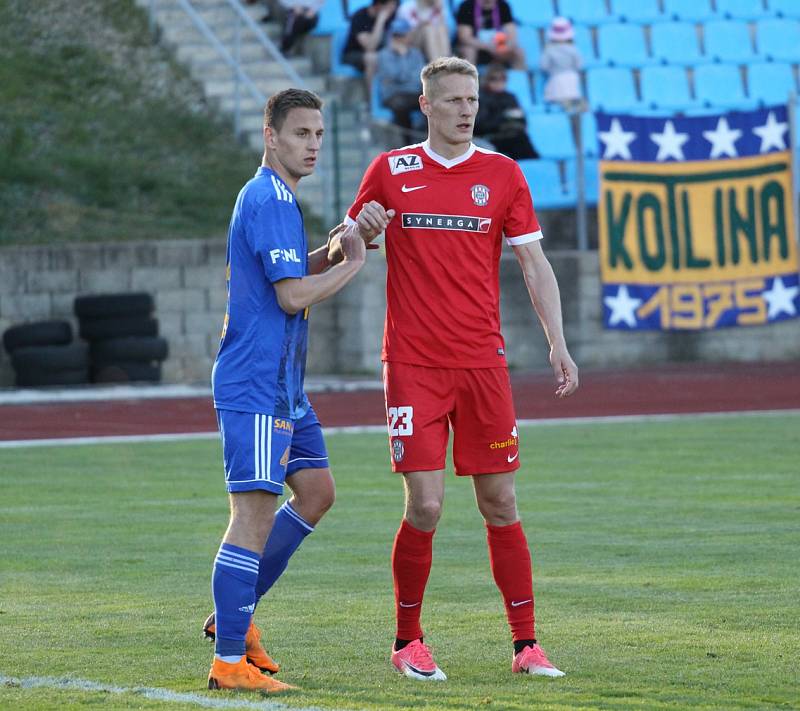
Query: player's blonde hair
x,y
444,66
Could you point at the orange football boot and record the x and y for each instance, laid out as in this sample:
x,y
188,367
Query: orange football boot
x,y
256,654
242,675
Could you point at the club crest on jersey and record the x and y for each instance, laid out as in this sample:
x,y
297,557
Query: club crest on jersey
x,y
397,450
480,195
405,163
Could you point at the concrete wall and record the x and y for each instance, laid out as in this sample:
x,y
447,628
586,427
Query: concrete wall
x,y
187,280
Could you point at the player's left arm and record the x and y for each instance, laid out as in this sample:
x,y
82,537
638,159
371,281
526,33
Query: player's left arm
x,y
546,299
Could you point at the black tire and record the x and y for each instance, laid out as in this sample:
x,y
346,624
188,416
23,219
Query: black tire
x,y
105,305
127,372
34,377
145,348
40,333
51,358
104,329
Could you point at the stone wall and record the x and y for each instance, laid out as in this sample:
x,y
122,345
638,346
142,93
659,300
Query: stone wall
x,y
187,281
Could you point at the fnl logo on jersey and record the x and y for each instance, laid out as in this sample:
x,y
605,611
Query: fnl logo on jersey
x,y
404,163
286,255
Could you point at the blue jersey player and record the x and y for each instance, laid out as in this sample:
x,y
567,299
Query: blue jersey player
x,y
270,434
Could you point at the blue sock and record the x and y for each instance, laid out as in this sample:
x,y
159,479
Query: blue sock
x,y
233,585
287,534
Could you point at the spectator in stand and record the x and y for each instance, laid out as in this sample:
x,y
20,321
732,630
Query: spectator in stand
x,y
368,32
301,17
561,60
487,32
428,26
500,118
399,67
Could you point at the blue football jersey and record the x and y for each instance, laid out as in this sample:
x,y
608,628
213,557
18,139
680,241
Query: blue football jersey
x,y
261,361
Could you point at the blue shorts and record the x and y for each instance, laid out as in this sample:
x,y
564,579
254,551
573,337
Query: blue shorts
x,y
260,451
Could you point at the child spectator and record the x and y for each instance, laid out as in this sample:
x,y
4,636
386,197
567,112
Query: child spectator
x,y
561,61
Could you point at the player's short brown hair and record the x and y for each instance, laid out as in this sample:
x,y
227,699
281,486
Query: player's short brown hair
x,y
280,104
445,66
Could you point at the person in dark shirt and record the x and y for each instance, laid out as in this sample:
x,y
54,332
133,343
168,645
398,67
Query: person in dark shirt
x,y
367,36
486,32
501,120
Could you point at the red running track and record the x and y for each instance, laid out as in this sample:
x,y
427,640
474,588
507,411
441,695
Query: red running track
x,y
673,389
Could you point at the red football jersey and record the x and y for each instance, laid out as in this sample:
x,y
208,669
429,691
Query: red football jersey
x,y
443,251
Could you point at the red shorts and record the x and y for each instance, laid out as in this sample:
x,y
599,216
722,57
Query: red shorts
x,y
423,404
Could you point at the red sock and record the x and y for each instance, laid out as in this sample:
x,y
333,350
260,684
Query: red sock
x,y
411,565
510,559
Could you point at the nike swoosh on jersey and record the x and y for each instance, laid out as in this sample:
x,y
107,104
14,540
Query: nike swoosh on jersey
x,y
409,604
412,188
514,603
511,459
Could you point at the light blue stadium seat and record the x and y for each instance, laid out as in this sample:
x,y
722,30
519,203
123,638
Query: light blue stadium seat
x,y
534,13
622,44
339,68
584,12
720,85
376,107
784,8
675,43
741,9
544,181
728,41
611,89
779,39
688,10
642,12
770,83
585,44
352,5
589,143
519,84
551,134
528,38
331,19
666,87
591,179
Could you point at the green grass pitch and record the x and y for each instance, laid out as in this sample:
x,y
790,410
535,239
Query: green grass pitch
x,y
665,570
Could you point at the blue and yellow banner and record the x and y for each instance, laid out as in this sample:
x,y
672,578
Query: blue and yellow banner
x,y
696,221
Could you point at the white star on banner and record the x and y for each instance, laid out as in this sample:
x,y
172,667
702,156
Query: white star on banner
x,y
780,299
771,134
723,139
670,144
617,141
622,306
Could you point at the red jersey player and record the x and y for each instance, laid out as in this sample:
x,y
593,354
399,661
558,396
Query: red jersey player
x,y
446,206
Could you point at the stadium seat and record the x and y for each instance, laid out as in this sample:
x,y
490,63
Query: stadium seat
x,y
589,143
339,68
591,179
584,12
642,12
720,85
533,14
376,108
519,84
331,19
785,8
728,41
611,89
770,83
688,10
544,181
352,5
585,44
552,135
528,38
622,44
779,39
675,43
666,87
740,9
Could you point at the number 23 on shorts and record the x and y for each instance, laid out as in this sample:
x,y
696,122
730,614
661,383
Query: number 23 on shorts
x,y
401,421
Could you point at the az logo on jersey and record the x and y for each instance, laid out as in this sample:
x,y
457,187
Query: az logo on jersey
x,y
480,195
404,163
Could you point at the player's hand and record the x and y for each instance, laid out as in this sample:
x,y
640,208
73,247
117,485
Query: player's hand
x,y
565,370
353,247
373,219
334,244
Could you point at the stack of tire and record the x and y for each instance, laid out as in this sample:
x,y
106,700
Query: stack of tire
x,y
124,345
43,353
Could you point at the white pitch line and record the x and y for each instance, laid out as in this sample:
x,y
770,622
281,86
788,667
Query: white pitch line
x,y
370,429
156,694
